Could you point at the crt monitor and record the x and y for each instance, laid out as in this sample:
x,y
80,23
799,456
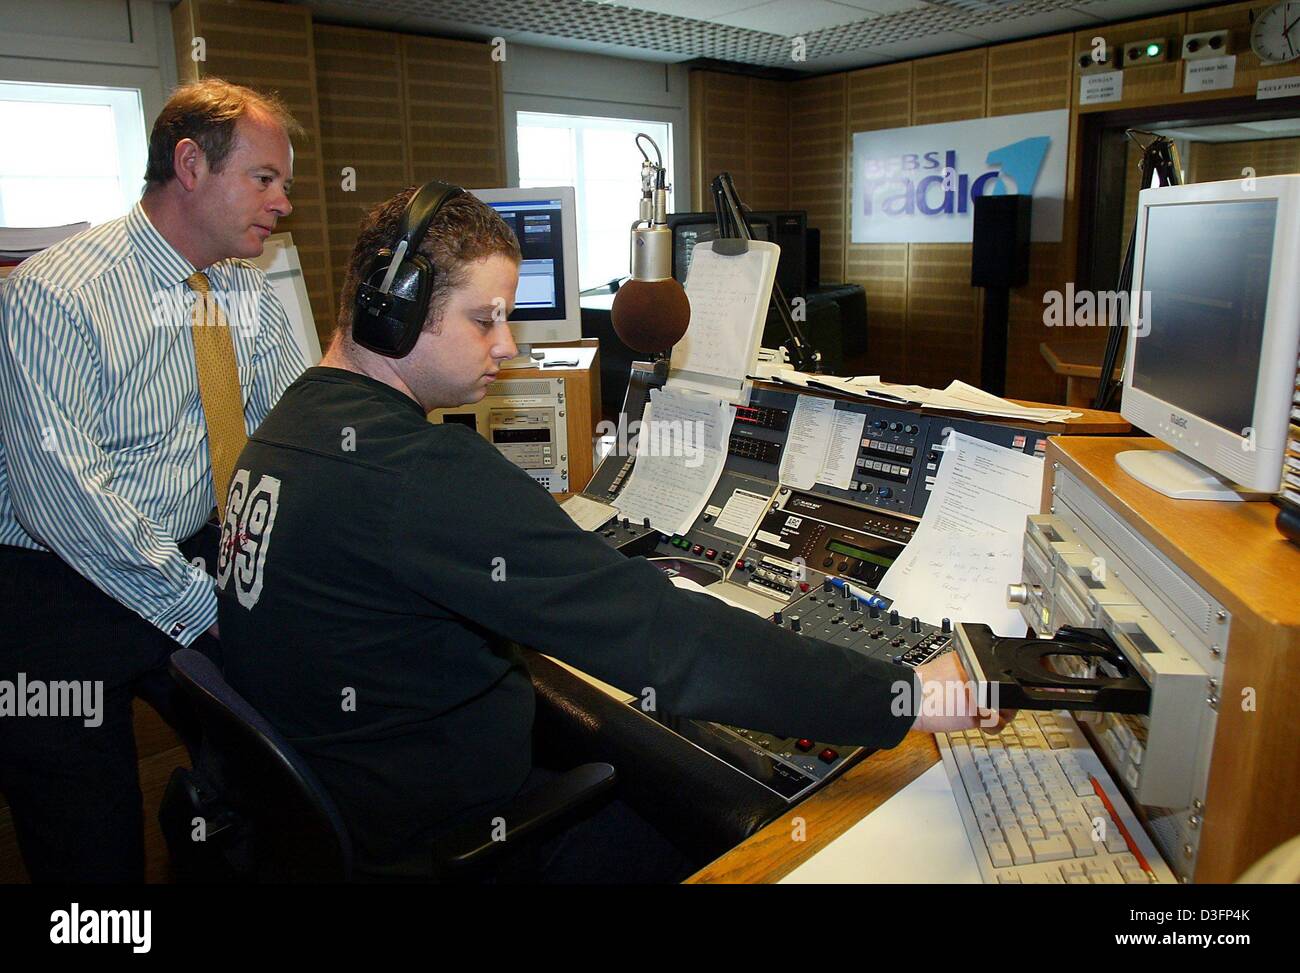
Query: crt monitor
x,y
1214,324
545,223
689,229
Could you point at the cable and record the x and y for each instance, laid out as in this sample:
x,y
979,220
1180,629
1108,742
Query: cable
x,y
1160,163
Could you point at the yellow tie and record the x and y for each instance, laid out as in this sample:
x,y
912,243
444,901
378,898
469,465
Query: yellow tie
x,y
223,404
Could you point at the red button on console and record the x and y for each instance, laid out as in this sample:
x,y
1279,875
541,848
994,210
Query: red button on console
x,y
828,755
805,744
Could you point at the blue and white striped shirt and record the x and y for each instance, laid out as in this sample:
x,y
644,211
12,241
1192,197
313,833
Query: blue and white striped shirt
x,y
103,443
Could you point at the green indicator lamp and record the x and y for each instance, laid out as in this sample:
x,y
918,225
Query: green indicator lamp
x,y
1153,50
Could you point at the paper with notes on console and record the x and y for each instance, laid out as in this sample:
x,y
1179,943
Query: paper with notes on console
x,y
968,546
680,450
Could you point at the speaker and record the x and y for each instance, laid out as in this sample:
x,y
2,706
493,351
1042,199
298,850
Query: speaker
x,y
1000,244
789,229
813,248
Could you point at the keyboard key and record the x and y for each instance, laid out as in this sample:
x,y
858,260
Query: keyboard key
x,y
1019,847
1115,842
1081,841
1000,854
1050,849
1009,878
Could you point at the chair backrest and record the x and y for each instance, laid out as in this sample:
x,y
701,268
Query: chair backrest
x,y
298,833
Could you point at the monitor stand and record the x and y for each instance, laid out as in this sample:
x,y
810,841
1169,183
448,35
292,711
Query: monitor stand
x,y
1176,476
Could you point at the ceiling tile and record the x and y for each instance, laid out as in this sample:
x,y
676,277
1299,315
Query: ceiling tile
x,y
789,19
697,9
939,43
1116,10
885,6
1051,22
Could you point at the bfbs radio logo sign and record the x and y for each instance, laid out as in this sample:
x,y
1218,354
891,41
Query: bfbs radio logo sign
x,y
918,184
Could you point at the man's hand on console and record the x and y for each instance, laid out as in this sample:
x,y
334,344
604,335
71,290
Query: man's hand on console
x,y
948,701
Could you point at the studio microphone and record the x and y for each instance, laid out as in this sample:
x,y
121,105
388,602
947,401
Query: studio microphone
x,y
650,312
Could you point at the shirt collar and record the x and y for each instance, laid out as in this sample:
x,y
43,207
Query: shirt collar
x,y
159,256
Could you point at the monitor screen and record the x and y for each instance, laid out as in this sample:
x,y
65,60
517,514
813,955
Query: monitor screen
x,y
539,227
1205,268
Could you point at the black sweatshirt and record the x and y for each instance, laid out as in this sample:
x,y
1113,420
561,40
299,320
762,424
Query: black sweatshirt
x,y
374,565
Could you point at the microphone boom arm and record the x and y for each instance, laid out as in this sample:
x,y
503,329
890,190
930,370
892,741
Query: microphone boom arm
x,y
733,223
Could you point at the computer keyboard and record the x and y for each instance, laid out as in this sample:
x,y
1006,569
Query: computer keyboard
x,y
1027,800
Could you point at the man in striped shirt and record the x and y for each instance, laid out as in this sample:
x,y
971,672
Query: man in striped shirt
x,y
108,449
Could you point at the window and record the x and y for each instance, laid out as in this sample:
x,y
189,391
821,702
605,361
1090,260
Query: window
x,y
600,159
69,153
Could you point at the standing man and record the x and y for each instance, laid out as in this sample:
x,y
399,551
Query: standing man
x,y
134,359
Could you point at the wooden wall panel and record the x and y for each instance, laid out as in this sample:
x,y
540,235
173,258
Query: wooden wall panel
x,y
1030,76
1212,161
767,139
949,88
718,133
819,154
1028,375
269,47
943,310
452,93
882,270
880,98
359,77
742,126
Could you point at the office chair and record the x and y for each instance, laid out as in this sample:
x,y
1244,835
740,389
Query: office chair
x,y
252,810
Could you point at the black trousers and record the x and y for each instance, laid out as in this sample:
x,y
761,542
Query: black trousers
x,y
73,788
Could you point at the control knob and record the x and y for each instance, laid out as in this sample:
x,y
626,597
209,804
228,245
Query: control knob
x,y
1018,594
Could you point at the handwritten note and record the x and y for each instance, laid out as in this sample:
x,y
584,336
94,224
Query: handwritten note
x,y
681,448
967,548
729,297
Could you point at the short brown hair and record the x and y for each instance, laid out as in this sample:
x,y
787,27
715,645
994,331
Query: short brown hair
x,y
464,231
206,111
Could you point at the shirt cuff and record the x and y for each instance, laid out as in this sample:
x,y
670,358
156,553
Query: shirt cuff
x,y
193,614
902,723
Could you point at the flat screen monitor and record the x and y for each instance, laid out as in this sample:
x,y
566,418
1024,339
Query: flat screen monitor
x,y
1214,323
545,223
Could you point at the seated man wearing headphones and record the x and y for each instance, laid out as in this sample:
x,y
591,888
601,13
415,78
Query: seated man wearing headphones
x,y
376,566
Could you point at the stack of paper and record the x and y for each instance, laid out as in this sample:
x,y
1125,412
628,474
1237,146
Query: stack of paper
x,y
17,243
957,397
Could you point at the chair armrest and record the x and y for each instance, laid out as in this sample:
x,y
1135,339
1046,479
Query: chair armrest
x,y
473,843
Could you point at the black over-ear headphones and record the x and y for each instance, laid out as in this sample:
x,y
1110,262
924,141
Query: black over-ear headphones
x,y
393,298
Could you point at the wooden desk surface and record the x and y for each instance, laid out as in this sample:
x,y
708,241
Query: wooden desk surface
x,y
772,853
1233,550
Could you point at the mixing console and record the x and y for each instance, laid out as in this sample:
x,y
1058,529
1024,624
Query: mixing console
x,y
842,615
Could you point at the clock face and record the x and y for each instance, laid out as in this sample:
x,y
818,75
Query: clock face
x,y
1275,35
